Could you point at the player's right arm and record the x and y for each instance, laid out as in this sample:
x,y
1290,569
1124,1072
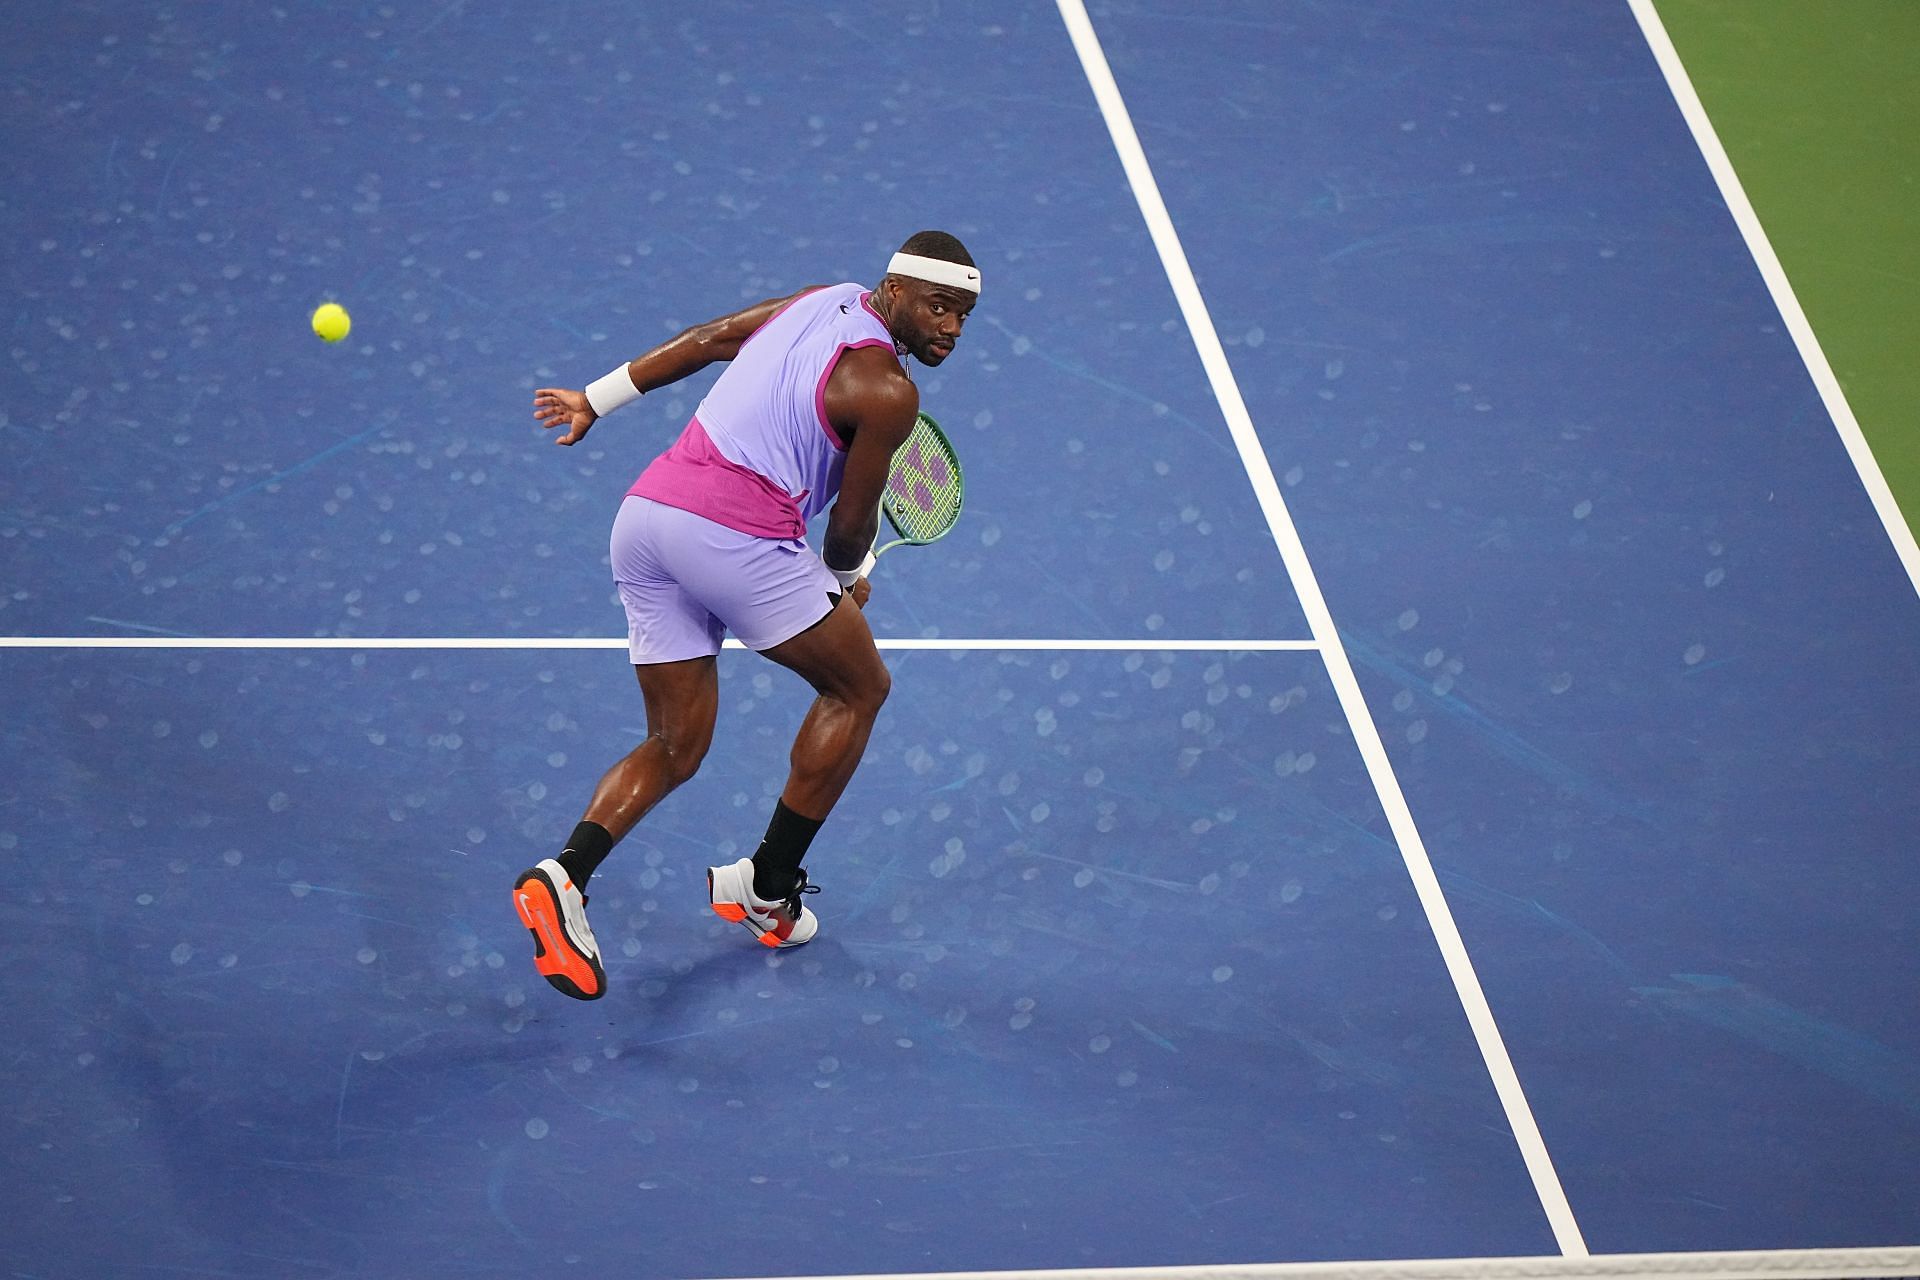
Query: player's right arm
x,y
681,356
872,406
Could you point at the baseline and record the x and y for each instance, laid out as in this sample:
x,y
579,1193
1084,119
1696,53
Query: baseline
x,y
1768,1264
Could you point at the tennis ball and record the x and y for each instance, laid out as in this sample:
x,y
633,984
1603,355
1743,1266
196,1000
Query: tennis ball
x,y
331,322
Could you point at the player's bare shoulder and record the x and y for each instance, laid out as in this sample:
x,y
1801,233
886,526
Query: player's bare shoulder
x,y
868,388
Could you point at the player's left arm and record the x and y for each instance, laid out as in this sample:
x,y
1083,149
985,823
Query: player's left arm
x,y
868,397
692,350
681,356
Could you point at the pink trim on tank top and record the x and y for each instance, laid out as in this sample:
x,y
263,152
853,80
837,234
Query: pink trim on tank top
x,y
820,388
695,476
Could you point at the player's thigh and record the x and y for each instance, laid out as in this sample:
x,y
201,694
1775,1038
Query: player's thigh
x,y
838,657
683,702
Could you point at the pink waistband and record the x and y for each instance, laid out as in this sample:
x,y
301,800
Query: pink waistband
x,y
695,476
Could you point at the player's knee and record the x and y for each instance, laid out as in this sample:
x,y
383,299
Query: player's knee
x,y
684,753
875,690
683,766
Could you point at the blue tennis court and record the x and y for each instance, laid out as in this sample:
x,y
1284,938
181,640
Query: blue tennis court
x,y
1407,757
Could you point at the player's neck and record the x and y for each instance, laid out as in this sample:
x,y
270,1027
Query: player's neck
x,y
885,312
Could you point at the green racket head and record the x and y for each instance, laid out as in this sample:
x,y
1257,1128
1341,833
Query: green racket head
x,y
924,489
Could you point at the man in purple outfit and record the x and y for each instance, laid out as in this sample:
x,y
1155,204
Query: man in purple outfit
x,y
712,539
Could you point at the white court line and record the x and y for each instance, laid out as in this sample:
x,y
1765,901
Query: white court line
x,y
1366,735
1149,645
1753,1264
1783,296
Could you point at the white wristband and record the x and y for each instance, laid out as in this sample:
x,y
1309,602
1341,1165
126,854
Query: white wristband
x,y
847,577
609,393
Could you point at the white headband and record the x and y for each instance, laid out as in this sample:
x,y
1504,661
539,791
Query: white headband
x,y
948,273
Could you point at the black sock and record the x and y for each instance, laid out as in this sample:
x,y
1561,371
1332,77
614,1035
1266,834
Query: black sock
x,y
586,849
780,854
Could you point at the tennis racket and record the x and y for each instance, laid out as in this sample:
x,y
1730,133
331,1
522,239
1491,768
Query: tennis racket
x,y
924,490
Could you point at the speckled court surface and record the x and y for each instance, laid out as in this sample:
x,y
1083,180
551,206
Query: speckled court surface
x,y
1121,963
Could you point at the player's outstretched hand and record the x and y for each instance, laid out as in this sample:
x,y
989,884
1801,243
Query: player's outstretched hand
x,y
860,590
564,407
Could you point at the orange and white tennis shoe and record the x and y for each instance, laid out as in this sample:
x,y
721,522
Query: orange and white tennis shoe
x,y
785,923
564,950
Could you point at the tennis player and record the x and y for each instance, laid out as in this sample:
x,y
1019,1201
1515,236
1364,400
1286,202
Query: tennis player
x,y
712,539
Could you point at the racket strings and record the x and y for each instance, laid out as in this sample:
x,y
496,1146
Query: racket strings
x,y
924,489
918,519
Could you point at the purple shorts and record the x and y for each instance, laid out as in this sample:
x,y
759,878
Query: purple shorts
x,y
685,581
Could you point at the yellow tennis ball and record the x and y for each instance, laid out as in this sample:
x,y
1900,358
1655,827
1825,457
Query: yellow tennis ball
x,y
331,322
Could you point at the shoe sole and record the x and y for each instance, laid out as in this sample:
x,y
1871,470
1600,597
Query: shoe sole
x,y
566,969
738,914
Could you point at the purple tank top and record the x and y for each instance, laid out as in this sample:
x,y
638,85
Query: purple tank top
x,y
759,455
